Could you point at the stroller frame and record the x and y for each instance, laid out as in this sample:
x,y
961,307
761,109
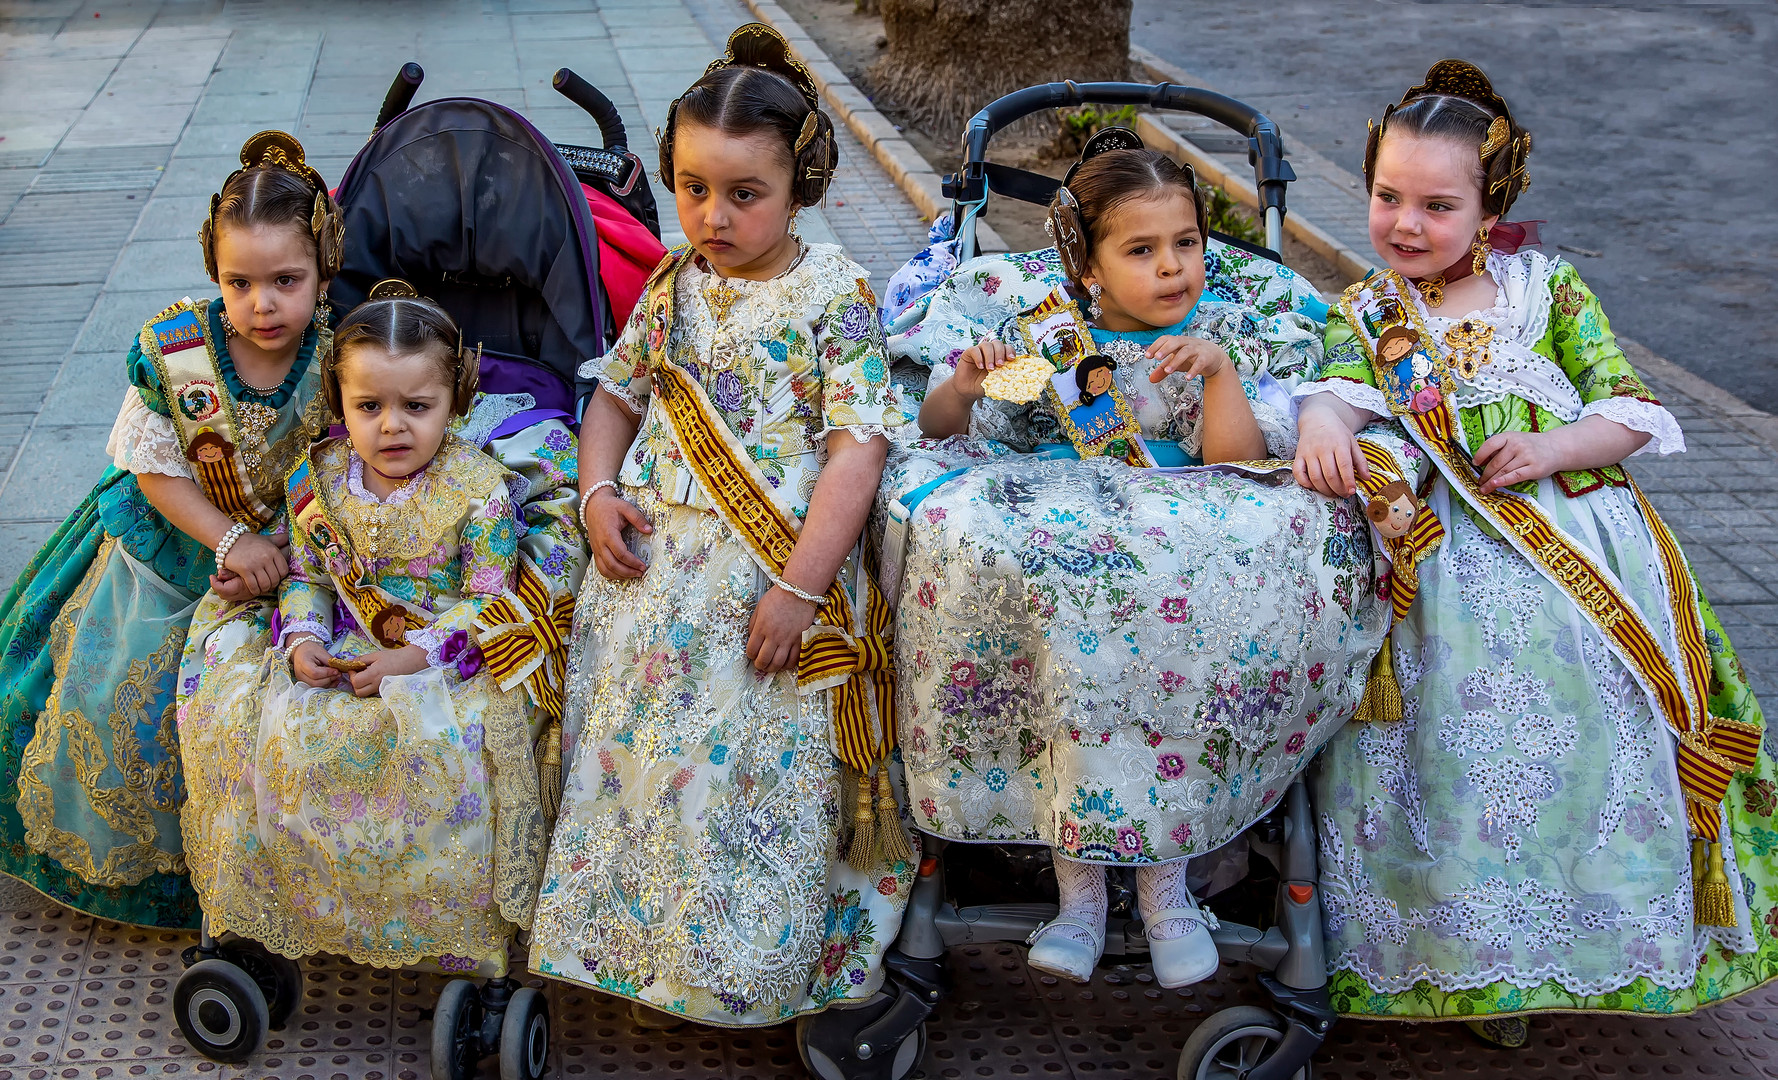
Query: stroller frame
x,y
885,1039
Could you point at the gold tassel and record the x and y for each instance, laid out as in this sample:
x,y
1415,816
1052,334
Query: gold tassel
x,y
548,753
1712,901
890,834
1382,694
864,839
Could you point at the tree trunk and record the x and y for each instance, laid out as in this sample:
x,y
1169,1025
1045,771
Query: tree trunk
x,y
948,58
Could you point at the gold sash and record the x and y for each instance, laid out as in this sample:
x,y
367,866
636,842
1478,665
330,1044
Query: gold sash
x,y
846,652
378,612
1711,749
177,342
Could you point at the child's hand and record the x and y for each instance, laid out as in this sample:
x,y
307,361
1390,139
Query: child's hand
x,y
975,363
775,641
384,663
309,660
259,561
1512,457
1190,355
1328,459
604,516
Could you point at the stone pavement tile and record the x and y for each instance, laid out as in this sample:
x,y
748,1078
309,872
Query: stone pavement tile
x,y
30,136
558,26
173,266
118,315
199,175
55,84
63,463
246,110
88,390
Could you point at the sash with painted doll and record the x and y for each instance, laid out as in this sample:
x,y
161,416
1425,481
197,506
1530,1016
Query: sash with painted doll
x,y
1413,368
1088,405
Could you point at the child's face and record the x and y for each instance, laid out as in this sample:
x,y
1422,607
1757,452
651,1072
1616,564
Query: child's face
x,y
397,407
733,197
1150,262
269,285
1426,204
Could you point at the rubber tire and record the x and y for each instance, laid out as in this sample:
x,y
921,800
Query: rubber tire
x,y
280,977
524,1036
904,1065
1224,1031
220,983
457,1031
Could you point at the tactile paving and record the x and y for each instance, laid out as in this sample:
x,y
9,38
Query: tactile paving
x,y
82,999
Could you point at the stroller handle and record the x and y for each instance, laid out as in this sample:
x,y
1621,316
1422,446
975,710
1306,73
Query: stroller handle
x,y
1265,149
596,104
401,93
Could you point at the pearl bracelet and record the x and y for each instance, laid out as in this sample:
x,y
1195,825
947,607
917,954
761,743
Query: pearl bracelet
x,y
589,493
227,543
818,601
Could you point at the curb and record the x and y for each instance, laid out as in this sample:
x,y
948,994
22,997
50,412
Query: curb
x,y
911,173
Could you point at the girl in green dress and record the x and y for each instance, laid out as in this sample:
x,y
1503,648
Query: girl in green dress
x,y
224,397
1561,800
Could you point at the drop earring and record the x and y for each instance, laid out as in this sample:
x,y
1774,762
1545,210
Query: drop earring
x,y
794,235
322,316
228,328
1480,248
1094,291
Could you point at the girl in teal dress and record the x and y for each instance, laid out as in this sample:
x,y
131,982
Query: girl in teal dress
x,y
225,397
1562,803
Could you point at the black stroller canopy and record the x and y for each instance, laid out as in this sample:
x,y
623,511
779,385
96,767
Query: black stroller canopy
x,y
475,208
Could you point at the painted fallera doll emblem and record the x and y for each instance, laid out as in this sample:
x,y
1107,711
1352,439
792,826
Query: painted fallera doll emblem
x,y
1400,347
1392,509
389,626
208,447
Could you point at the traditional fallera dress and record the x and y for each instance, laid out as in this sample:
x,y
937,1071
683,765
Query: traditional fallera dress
x,y
696,865
92,630
396,830
1538,829
1127,665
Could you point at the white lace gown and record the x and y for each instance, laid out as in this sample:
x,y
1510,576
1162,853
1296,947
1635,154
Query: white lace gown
x,y
694,866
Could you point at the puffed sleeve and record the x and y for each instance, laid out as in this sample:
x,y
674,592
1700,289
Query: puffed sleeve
x,y
487,554
623,371
856,394
1580,341
306,596
546,456
1345,369
142,438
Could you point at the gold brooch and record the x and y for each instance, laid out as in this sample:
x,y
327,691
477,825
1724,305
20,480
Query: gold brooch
x,y
1469,340
722,297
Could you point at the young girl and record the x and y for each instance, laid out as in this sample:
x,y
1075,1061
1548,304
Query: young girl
x,y
225,396
1124,665
729,458
1551,821
384,805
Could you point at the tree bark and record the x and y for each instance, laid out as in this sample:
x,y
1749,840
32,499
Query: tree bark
x,y
948,58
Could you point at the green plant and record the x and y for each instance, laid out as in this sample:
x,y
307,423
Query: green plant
x,y
1230,217
1075,126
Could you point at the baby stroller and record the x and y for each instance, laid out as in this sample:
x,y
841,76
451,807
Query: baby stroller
x,y
886,1038
542,281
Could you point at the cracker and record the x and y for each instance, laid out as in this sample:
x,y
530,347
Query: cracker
x,y
1020,380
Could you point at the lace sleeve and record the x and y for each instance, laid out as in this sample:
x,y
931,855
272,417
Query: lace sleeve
x,y
1639,415
143,441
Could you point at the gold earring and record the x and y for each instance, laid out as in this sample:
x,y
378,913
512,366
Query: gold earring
x,y
1480,263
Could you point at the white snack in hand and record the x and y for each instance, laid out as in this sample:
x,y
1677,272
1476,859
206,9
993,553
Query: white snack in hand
x,y
1020,380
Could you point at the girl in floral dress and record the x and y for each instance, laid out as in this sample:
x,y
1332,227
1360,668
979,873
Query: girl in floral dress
x,y
1567,806
224,395
1126,665
728,460
383,803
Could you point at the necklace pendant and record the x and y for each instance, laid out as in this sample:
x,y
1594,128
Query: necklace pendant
x,y
1433,289
722,297
1470,340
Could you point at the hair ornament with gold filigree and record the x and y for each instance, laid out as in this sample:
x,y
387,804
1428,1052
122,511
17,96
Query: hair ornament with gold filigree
x,y
241,197
1503,147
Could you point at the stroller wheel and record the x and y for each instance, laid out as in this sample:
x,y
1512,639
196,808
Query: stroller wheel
x,y
457,1031
824,1042
524,1036
279,977
1231,1043
221,1010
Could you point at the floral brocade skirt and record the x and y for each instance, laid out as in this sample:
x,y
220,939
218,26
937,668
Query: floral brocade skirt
x,y
1128,666
1518,841
694,865
401,830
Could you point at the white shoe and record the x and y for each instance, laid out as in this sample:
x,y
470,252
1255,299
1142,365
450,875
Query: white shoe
x,y
1186,959
1061,954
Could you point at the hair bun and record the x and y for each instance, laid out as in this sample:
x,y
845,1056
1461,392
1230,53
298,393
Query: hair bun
x,y
758,45
1459,78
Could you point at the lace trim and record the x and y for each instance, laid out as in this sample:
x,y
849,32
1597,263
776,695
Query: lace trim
x,y
1639,415
143,441
621,393
355,484
432,639
308,624
1356,394
492,410
862,432
1524,295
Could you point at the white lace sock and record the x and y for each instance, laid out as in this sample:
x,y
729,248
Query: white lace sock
x,y
1082,888
1160,887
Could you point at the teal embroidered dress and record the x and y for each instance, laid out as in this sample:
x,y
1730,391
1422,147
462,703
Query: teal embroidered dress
x,y
90,639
